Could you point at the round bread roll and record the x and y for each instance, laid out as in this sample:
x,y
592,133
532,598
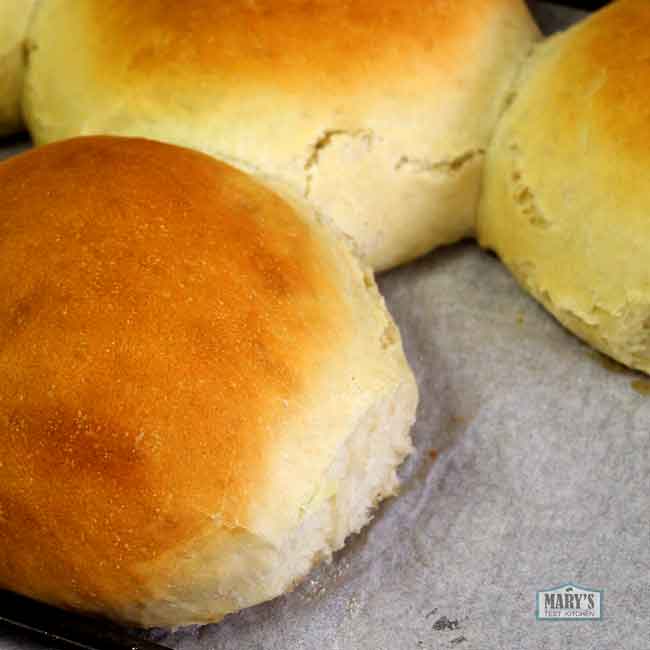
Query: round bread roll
x,y
14,18
201,391
378,113
566,201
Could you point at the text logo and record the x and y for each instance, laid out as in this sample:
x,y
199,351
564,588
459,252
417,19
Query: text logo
x,y
569,602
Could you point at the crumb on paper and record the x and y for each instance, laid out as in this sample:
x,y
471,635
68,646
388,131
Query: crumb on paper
x,y
444,623
641,386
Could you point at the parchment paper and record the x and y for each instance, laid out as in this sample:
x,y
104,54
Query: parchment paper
x,y
532,470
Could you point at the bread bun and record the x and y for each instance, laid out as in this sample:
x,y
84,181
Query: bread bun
x,y
201,390
376,112
566,200
14,18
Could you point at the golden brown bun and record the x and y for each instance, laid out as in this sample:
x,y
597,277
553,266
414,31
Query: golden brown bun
x,y
566,203
201,391
377,112
14,19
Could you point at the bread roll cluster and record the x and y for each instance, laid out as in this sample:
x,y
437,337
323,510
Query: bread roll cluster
x,y
202,393
377,113
201,390
566,193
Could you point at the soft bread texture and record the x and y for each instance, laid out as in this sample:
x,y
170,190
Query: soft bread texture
x,y
566,201
201,390
14,19
377,113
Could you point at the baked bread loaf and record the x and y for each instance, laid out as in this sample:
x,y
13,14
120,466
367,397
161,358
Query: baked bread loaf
x,y
377,112
14,19
566,201
201,391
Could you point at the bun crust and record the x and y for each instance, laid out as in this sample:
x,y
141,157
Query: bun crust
x,y
368,110
183,358
566,193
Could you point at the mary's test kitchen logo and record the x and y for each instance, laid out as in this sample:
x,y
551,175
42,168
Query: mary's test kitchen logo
x,y
571,602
